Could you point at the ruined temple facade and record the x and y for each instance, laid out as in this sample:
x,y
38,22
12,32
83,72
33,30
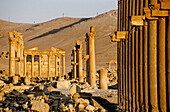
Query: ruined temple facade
x,y
32,62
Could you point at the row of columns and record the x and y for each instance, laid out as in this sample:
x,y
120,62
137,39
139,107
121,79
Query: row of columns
x,y
77,61
143,56
57,65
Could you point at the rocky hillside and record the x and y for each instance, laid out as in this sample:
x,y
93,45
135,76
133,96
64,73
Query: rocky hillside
x,y
63,33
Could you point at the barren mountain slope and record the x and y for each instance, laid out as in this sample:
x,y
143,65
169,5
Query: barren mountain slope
x,y
63,33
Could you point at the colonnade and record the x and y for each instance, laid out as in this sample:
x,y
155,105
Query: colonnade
x,y
57,65
143,55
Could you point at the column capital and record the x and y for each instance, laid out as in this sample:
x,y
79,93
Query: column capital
x,y
91,35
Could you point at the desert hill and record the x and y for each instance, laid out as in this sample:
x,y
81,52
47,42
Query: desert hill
x,y
63,33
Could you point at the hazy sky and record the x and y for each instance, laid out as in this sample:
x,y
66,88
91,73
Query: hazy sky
x,y
28,11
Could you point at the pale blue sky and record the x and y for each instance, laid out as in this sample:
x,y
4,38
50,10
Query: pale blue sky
x,y
28,11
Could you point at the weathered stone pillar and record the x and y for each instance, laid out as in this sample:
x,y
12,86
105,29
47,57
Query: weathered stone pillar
x,y
92,66
137,71
103,79
168,62
22,58
49,65
40,65
63,65
32,67
145,78
25,65
11,56
74,63
18,56
161,65
153,93
133,71
141,49
80,72
56,66
133,59
59,70
130,61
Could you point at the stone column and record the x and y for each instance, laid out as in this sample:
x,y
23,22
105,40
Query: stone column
x,y
133,59
153,93
32,67
74,64
40,65
63,65
49,65
103,79
12,58
56,65
90,38
59,70
168,62
21,58
145,77
141,50
162,64
80,72
25,65
18,56
130,61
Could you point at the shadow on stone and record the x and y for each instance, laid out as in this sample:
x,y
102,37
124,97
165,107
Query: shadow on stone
x,y
113,86
110,107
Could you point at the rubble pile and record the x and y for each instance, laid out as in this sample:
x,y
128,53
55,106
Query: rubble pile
x,y
44,97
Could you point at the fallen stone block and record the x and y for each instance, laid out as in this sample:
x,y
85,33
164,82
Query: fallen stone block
x,y
39,106
90,108
61,84
74,89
